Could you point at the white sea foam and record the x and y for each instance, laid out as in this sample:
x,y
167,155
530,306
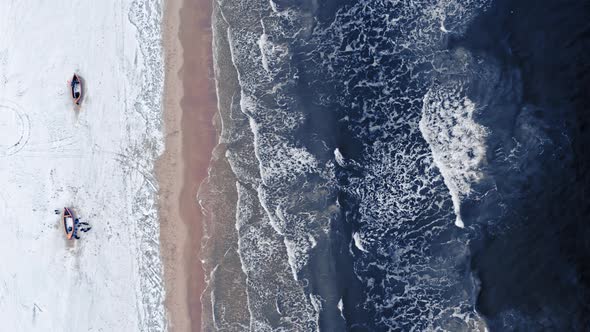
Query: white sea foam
x,y
271,53
341,307
358,242
295,255
339,158
262,43
280,165
456,140
263,256
272,250
317,302
273,6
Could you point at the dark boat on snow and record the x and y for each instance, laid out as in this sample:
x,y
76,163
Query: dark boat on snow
x,y
76,87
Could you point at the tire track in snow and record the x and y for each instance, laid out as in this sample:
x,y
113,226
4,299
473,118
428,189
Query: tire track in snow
x,y
15,126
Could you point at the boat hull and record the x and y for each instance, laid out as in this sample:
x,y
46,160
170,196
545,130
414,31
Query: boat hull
x,y
76,89
69,224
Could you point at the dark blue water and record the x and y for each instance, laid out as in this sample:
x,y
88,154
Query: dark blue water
x,y
533,259
405,166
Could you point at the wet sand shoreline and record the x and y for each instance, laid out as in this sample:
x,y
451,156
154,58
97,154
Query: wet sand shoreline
x,y
190,103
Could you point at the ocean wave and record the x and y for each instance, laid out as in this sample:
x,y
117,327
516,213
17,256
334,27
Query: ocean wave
x,y
268,165
264,256
369,66
457,142
382,56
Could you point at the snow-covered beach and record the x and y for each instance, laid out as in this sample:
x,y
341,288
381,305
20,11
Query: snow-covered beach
x,y
99,161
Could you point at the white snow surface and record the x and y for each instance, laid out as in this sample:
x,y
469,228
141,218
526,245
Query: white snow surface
x,y
99,162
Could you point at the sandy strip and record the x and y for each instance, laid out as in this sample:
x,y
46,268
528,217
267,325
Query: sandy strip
x,y
190,104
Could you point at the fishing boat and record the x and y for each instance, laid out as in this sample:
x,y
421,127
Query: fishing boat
x,y
76,87
69,225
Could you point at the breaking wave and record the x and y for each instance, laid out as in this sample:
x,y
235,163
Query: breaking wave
x,y
457,142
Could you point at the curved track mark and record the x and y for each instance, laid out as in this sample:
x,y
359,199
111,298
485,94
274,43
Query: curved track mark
x,y
13,115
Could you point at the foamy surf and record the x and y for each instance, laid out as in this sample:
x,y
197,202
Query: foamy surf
x,y
457,142
341,209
